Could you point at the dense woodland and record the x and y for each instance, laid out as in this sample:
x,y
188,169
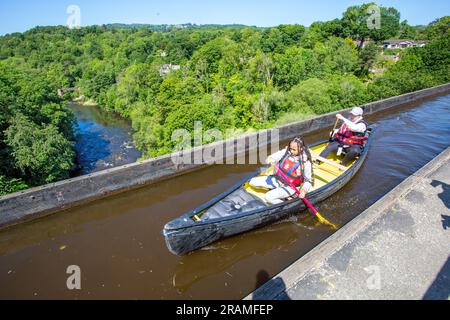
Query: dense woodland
x,y
230,78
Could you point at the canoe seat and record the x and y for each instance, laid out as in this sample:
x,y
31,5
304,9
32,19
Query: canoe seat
x,y
238,202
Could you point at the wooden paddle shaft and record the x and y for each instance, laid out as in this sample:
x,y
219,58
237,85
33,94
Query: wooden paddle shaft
x,y
334,128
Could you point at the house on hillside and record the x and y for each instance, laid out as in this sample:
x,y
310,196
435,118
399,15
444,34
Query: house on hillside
x,y
165,69
402,44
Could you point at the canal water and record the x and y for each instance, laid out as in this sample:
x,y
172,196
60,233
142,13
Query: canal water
x,y
103,140
118,245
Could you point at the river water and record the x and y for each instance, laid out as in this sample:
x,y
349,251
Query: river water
x,y
118,244
103,140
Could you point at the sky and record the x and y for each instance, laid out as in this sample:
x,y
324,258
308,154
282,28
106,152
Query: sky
x,y
22,15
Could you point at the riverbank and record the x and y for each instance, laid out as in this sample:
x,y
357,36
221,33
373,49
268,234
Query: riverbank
x,y
396,249
37,202
87,103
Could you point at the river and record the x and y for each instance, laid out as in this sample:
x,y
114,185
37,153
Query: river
x,y
103,140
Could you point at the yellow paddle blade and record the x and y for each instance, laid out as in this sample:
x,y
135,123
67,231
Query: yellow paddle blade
x,y
325,221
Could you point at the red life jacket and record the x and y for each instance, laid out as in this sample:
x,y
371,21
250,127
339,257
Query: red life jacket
x,y
287,170
347,137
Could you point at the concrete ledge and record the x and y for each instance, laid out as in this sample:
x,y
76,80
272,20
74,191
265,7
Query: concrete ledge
x,y
317,257
44,200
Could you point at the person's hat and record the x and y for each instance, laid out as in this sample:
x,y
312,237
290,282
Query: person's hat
x,y
357,111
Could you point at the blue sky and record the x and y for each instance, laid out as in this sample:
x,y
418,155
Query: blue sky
x,y
21,15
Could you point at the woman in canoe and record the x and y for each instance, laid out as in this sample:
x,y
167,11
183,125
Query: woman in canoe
x,y
351,137
293,163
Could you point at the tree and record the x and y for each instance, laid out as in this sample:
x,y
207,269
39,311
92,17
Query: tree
x,y
438,29
406,31
370,21
272,41
262,68
138,84
205,111
398,80
436,58
347,91
291,34
336,56
42,154
310,96
295,65
366,60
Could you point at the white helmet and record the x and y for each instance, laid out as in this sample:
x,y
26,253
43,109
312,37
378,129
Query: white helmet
x,y
357,111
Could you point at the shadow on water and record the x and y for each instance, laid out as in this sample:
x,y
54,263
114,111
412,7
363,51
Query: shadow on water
x,y
440,289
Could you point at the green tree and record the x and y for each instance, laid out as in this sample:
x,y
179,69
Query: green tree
x,y
347,91
358,23
262,69
272,41
336,56
42,154
139,83
366,60
310,96
295,65
438,29
291,34
406,31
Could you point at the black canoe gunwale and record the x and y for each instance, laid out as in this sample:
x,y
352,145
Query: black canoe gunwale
x,y
188,222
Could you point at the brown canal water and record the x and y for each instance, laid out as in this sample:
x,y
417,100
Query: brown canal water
x,y
118,245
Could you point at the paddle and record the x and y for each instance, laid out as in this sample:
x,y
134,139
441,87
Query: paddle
x,y
307,203
318,215
333,133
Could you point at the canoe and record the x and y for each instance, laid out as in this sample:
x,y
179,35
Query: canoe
x,y
243,208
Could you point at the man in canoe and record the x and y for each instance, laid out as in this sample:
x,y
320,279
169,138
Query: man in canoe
x,y
293,163
351,137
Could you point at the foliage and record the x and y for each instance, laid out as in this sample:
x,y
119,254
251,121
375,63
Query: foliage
x,y
35,129
42,153
11,185
438,29
355,23
231,78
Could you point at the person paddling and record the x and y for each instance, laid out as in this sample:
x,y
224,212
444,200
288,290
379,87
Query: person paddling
x,y
351,137
293,163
